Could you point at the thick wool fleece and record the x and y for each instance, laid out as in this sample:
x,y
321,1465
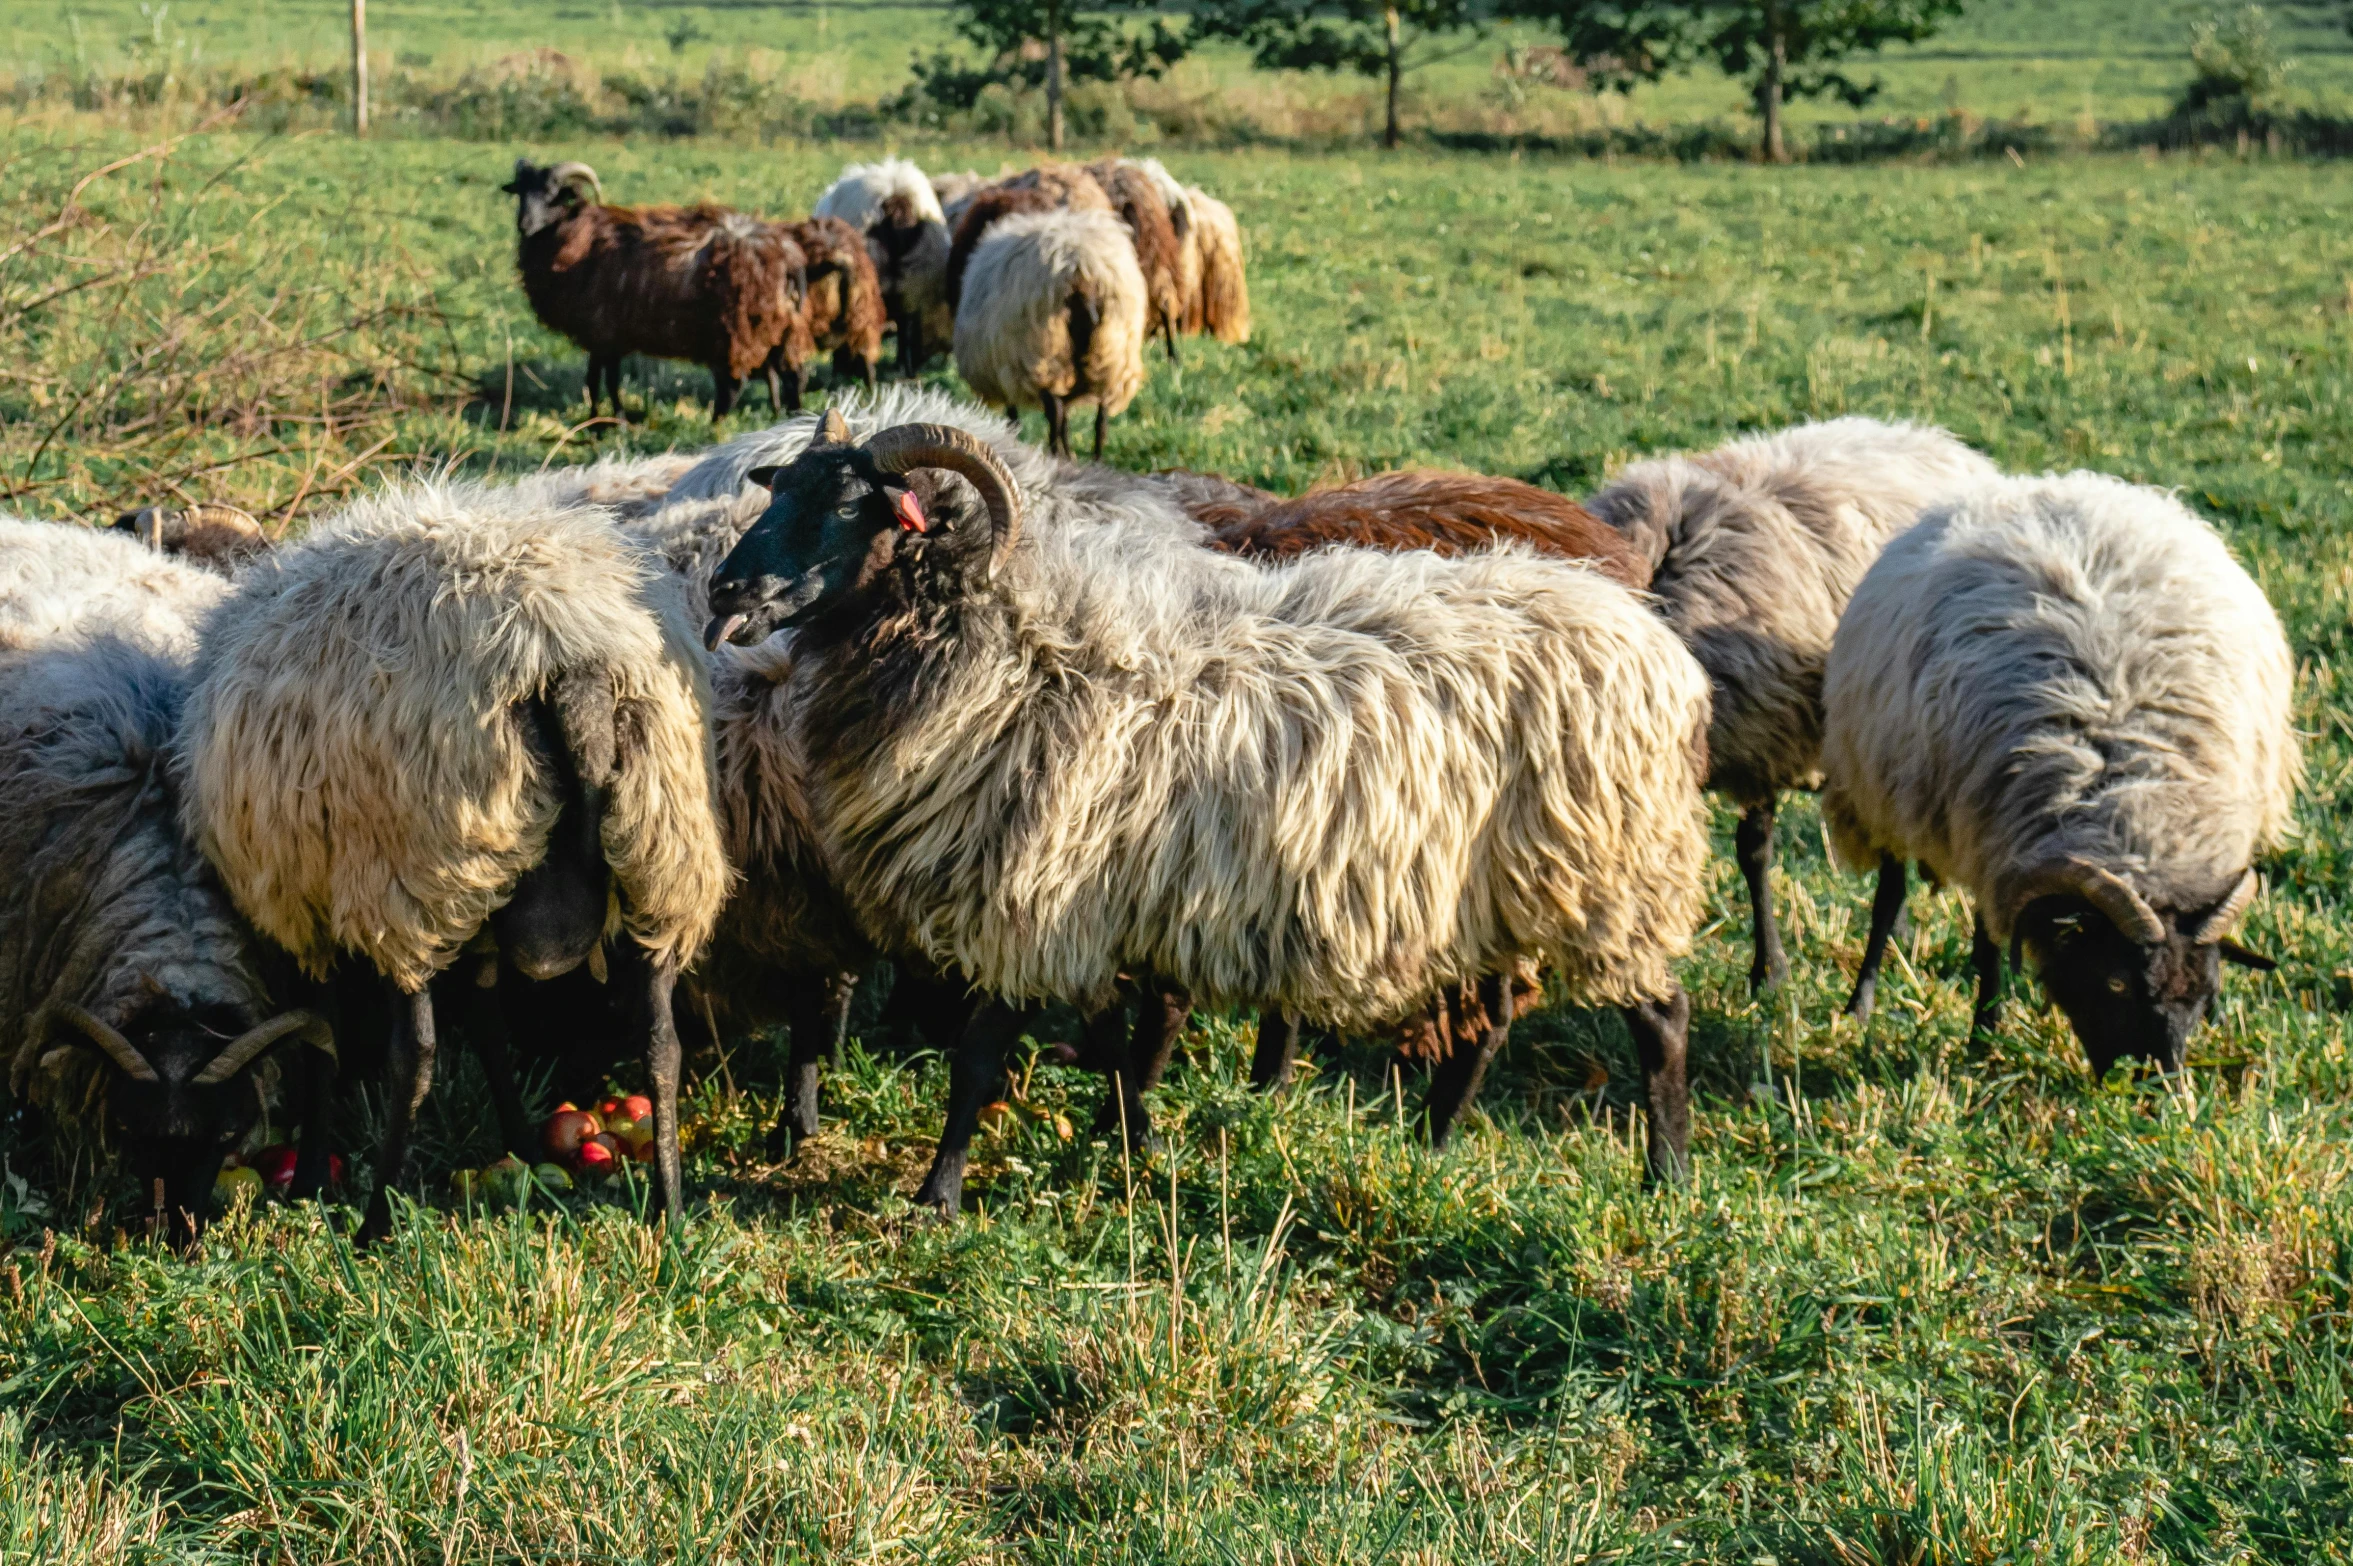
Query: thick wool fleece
x,y
103,903
1224,291
1014,335
2060,666
355,759
1755,547
59,581
1333,785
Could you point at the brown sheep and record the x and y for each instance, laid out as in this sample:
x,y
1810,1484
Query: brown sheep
x,y
843,306
1137,198
700,283
1051,187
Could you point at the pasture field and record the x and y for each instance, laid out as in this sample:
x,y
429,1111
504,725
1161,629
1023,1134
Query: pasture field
x,y
1915,1307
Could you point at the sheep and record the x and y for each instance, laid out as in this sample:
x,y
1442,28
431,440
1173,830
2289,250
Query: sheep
x,y
1052,187
843,304
700,283
2062,695
1159,253
895,207
1754,547
125,975
453,710
1222,305
216,536
1054,314
1041,757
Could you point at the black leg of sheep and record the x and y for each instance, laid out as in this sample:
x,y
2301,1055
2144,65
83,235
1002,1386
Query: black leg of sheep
x,y
662,1056
1102,420
486,1029
978,1068
1455,1083
408,1077
1986,958
1277,1054
1753,846
820,1021
1887,910
1162,1013
1662,1033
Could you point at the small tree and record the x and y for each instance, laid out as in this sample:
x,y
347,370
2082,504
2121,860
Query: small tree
x,y
2239,68
1790,49
1043,43
1387,39
1614,43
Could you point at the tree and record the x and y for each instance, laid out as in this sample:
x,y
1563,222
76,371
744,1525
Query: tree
x,y
1048,43
1616,43
1791,49
1379,38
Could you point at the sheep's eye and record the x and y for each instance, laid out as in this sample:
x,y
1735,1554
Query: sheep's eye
x,y
2118,986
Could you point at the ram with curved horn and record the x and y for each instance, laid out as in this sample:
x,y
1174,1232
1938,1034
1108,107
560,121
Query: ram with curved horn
x,y
136,1006
2063,696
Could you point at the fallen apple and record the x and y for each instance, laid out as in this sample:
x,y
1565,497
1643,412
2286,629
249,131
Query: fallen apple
x,y
467,1183
638,1107
619,1125
595,1158
566,1129
508,1180
229,1183
274,1164
551,1177
996,1114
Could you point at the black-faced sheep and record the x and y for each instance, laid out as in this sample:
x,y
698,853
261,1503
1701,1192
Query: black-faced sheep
x,y
894,206
1053,314
1046,755
453,710
698,283
1754,548
126,978
2063,696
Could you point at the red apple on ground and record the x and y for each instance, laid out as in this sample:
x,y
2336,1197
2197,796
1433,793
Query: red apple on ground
x,y
638,1107
276,1165
595,1158
566,1129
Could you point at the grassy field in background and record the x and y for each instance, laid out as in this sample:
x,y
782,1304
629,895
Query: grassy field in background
x,y
1915,1307
2051,63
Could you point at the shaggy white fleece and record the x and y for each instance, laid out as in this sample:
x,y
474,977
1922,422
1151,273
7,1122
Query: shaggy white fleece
x,y
1013,337
61,580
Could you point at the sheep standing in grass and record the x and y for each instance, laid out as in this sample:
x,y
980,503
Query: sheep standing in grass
x,y
699,283
1046,756
1221,306
895,208
843,304
456,710
2062,695
1754,548
126,978
1053,314
1159,252
1051,187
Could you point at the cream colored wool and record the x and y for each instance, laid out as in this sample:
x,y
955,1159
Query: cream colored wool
x,y
355,762
1756,546
59,580
1225,286
1331,786
2060,666
1013,337
857,197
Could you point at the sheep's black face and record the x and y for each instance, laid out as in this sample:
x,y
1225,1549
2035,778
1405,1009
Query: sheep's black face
x,y
175,1129
832,526
2124,999
539,201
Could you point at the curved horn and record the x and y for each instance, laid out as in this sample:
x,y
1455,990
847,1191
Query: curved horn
x,y
833,429
248,1045
110,1043
908,446
2228,912
2105,890
568,173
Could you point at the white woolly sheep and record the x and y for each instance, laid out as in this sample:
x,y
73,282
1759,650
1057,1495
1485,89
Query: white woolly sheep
x,y
60,581
1053,314
894,206
2062,695
454,707
1220,304
1041,756
1755,546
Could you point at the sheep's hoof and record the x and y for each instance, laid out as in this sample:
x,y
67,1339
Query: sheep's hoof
x,y
1768,974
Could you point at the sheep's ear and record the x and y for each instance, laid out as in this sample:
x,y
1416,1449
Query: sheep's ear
x,y
764,477
909,511
2232,951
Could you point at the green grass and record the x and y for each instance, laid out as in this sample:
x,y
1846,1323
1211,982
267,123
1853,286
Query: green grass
x,y
1915,1308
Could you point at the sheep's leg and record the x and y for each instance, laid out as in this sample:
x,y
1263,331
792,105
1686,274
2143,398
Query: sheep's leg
x,y
314,1099
910,344
796,386
1455,1084
596,372
1278,1050
872,384
408,1077
1102,419
722,392
613,385
820,1014
841,990
1887,906
1662,1034
1753,845
662,1053
1162,1011
486,1026
1057,429
1168,331
1986,957
979,1066
775,387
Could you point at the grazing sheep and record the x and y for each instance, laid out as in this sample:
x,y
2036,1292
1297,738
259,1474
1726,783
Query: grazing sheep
x,y
1754,548
1053,314
219,537
1046,756
1053,187
455,709
895,207
2062,695
1159,253
843,305
126,979
699,283
1224,293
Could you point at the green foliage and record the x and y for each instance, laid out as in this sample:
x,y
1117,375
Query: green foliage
x,y
1791,50
1097,46
1390,39
2238,63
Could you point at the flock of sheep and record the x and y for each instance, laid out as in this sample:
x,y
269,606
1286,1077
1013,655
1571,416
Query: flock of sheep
x,y
681,745
1048,283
